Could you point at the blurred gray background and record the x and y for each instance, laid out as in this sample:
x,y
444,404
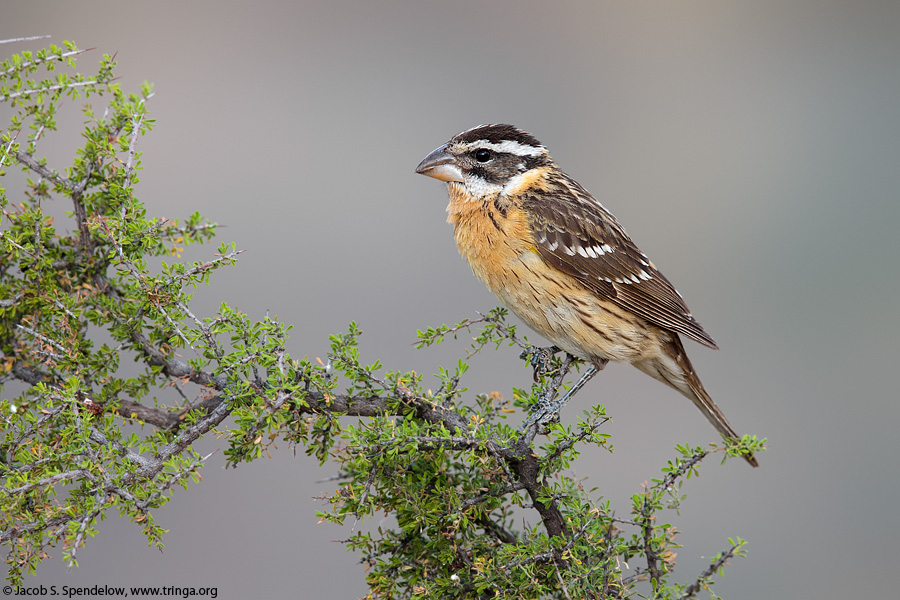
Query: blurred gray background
x,y
751,148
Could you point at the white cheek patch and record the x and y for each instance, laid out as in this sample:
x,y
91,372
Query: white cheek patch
x,y
479,188
515,182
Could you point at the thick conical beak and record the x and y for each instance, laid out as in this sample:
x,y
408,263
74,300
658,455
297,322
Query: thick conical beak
x,y
440,165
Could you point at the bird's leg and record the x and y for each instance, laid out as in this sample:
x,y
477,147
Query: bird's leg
x,y
540,358
547,410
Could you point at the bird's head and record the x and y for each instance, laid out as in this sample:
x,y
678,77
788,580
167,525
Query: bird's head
x,y
488,159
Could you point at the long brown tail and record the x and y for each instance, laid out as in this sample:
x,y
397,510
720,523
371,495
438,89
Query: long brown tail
x,y
676,370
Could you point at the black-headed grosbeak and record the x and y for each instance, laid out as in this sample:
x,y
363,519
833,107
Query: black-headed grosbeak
x,y
563,263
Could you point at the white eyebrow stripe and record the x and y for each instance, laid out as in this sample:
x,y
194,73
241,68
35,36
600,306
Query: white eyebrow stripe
x,y
506,147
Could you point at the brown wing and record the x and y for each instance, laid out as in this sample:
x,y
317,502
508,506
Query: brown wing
x,y
577,235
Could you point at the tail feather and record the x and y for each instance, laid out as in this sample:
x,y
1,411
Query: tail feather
x,y
676,370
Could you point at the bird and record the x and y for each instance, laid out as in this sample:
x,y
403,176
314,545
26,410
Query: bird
x,y
560,261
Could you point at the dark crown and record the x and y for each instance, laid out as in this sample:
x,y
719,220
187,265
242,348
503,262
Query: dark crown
x,y
496,134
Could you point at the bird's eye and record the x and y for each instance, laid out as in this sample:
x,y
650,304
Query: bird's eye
x,y
482,155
